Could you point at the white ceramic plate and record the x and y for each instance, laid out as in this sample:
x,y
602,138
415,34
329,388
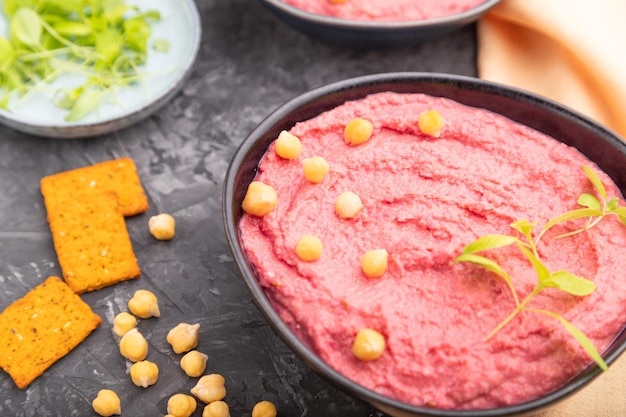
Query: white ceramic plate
x,y
165,74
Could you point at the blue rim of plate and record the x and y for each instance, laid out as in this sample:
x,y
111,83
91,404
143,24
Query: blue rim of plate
x,y
182,13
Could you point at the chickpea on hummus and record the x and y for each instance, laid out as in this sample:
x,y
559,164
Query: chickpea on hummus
x,y
385,272
378,10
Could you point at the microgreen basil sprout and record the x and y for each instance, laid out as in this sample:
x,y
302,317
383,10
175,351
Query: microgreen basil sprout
x,y
103,41
594,209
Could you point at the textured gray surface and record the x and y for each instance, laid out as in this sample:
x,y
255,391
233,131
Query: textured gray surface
x,y
248,65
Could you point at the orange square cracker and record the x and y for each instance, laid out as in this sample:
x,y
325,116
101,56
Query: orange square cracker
x,y
92,242
42,327
86,208
117,175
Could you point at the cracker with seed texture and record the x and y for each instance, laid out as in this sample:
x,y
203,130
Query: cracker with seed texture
x,y
86,208
40,328
116,175
92,243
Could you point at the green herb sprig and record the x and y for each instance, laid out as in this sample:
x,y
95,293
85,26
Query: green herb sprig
x,y
594,209
103,41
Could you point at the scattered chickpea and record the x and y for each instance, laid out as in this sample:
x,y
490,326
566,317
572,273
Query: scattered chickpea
x,y
264,409
315,169
123,322
184,337
144,373
431,122
287,146
309,248
133,346
368,345
210,388
181,405
374,263
194,363
107,403
216,409
348,205
162,226
260,199
358,131
144,304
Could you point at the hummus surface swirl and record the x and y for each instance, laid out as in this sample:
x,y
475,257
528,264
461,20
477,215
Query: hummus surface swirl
x,y
377,10
425,198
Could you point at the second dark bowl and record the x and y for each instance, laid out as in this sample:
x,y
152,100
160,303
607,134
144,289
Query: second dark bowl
x,y
370,34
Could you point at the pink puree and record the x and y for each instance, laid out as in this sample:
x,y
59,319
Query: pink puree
x,y
424,199
378,10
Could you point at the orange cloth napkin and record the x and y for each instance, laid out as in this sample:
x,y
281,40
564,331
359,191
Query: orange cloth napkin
x,y
573,51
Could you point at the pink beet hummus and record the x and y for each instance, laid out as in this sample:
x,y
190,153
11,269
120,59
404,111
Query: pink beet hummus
x,y
424,199
377,10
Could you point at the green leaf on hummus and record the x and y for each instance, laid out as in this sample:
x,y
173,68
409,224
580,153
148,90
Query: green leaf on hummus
x,y
573,215
489,265
570,283
613,204
489,242
595,181
580,337
620,211
594,209
484,262
543,274
524,227
589,201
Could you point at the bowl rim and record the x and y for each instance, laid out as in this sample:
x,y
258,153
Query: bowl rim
x,y
336,22
304,352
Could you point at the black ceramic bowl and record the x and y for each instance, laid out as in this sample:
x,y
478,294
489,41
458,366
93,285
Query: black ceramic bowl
x,y
368,34
597,143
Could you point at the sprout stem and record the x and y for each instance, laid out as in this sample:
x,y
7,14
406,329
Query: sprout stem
x,y
514,313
